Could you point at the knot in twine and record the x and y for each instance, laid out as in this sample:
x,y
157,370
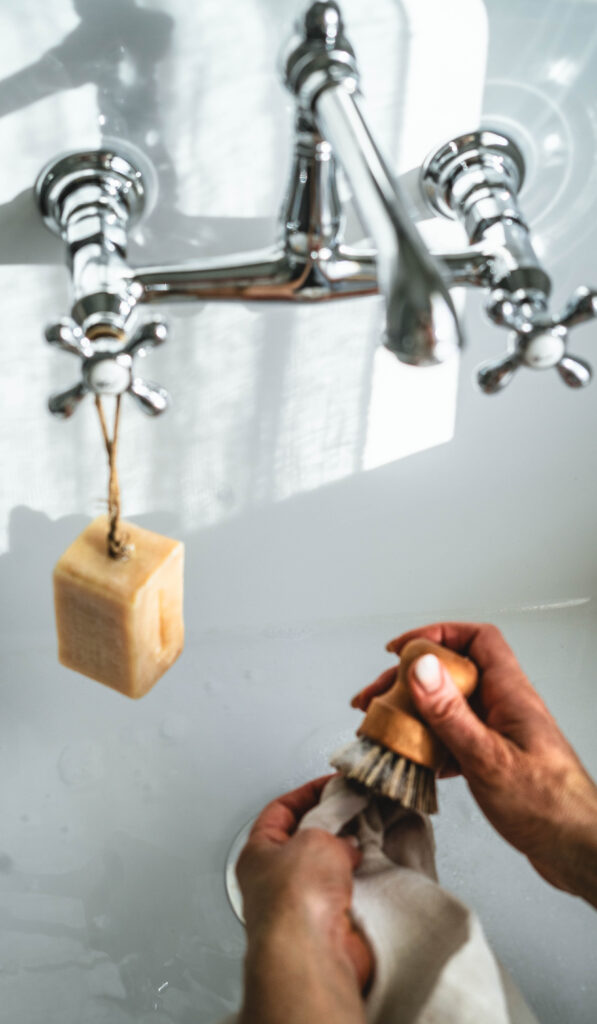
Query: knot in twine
x,y
116,542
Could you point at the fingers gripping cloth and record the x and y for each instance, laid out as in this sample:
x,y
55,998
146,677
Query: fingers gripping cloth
x,y
432,962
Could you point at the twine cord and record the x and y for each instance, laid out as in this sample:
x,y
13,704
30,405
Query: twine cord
x,y
116,543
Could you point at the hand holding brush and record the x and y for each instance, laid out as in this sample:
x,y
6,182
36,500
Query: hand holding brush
x,y
396,754
520,768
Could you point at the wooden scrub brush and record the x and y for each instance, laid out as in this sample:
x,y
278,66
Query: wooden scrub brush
x,y
395,753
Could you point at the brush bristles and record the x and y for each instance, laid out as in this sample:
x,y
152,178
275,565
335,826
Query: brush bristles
x,y
388,774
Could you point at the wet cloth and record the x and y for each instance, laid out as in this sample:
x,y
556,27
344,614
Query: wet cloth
x,y
433,964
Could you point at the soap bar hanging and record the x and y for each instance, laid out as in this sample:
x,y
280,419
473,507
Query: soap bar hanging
x,y
118,595
120,621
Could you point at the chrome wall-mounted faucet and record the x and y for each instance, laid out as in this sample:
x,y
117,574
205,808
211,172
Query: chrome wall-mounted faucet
x,y
476,179
93,198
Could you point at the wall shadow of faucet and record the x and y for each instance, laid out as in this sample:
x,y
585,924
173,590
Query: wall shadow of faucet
x,y
118,47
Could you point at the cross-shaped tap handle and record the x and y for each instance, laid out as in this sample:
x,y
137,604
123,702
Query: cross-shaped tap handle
x,y
538,340
108,364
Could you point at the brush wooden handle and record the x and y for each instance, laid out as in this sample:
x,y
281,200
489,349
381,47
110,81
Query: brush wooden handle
x,y
392,719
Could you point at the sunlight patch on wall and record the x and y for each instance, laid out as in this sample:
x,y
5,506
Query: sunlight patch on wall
x,y
411,408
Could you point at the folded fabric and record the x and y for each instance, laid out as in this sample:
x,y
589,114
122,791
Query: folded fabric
x,y
433,962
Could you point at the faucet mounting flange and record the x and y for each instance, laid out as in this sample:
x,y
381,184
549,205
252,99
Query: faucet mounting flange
x,y
484,157
114,178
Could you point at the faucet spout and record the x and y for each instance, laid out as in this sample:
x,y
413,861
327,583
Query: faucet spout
x,y
422,326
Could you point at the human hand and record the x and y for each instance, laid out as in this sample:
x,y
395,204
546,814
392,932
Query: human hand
x,y
522,771
302,941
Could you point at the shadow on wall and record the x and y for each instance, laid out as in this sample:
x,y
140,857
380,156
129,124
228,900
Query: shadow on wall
x,y
121,48
117,47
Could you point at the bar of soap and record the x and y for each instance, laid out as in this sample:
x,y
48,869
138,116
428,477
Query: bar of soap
x,y
120,621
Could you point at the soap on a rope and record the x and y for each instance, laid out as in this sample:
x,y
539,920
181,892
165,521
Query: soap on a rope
x,y
120,621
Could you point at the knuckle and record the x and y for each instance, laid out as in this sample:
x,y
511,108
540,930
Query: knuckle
x,y
491,631
313,840
321,852
447,708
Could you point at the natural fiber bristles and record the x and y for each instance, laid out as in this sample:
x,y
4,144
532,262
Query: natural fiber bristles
x,y
389,774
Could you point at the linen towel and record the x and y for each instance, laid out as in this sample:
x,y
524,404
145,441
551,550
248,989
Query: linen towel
x,y
433,964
